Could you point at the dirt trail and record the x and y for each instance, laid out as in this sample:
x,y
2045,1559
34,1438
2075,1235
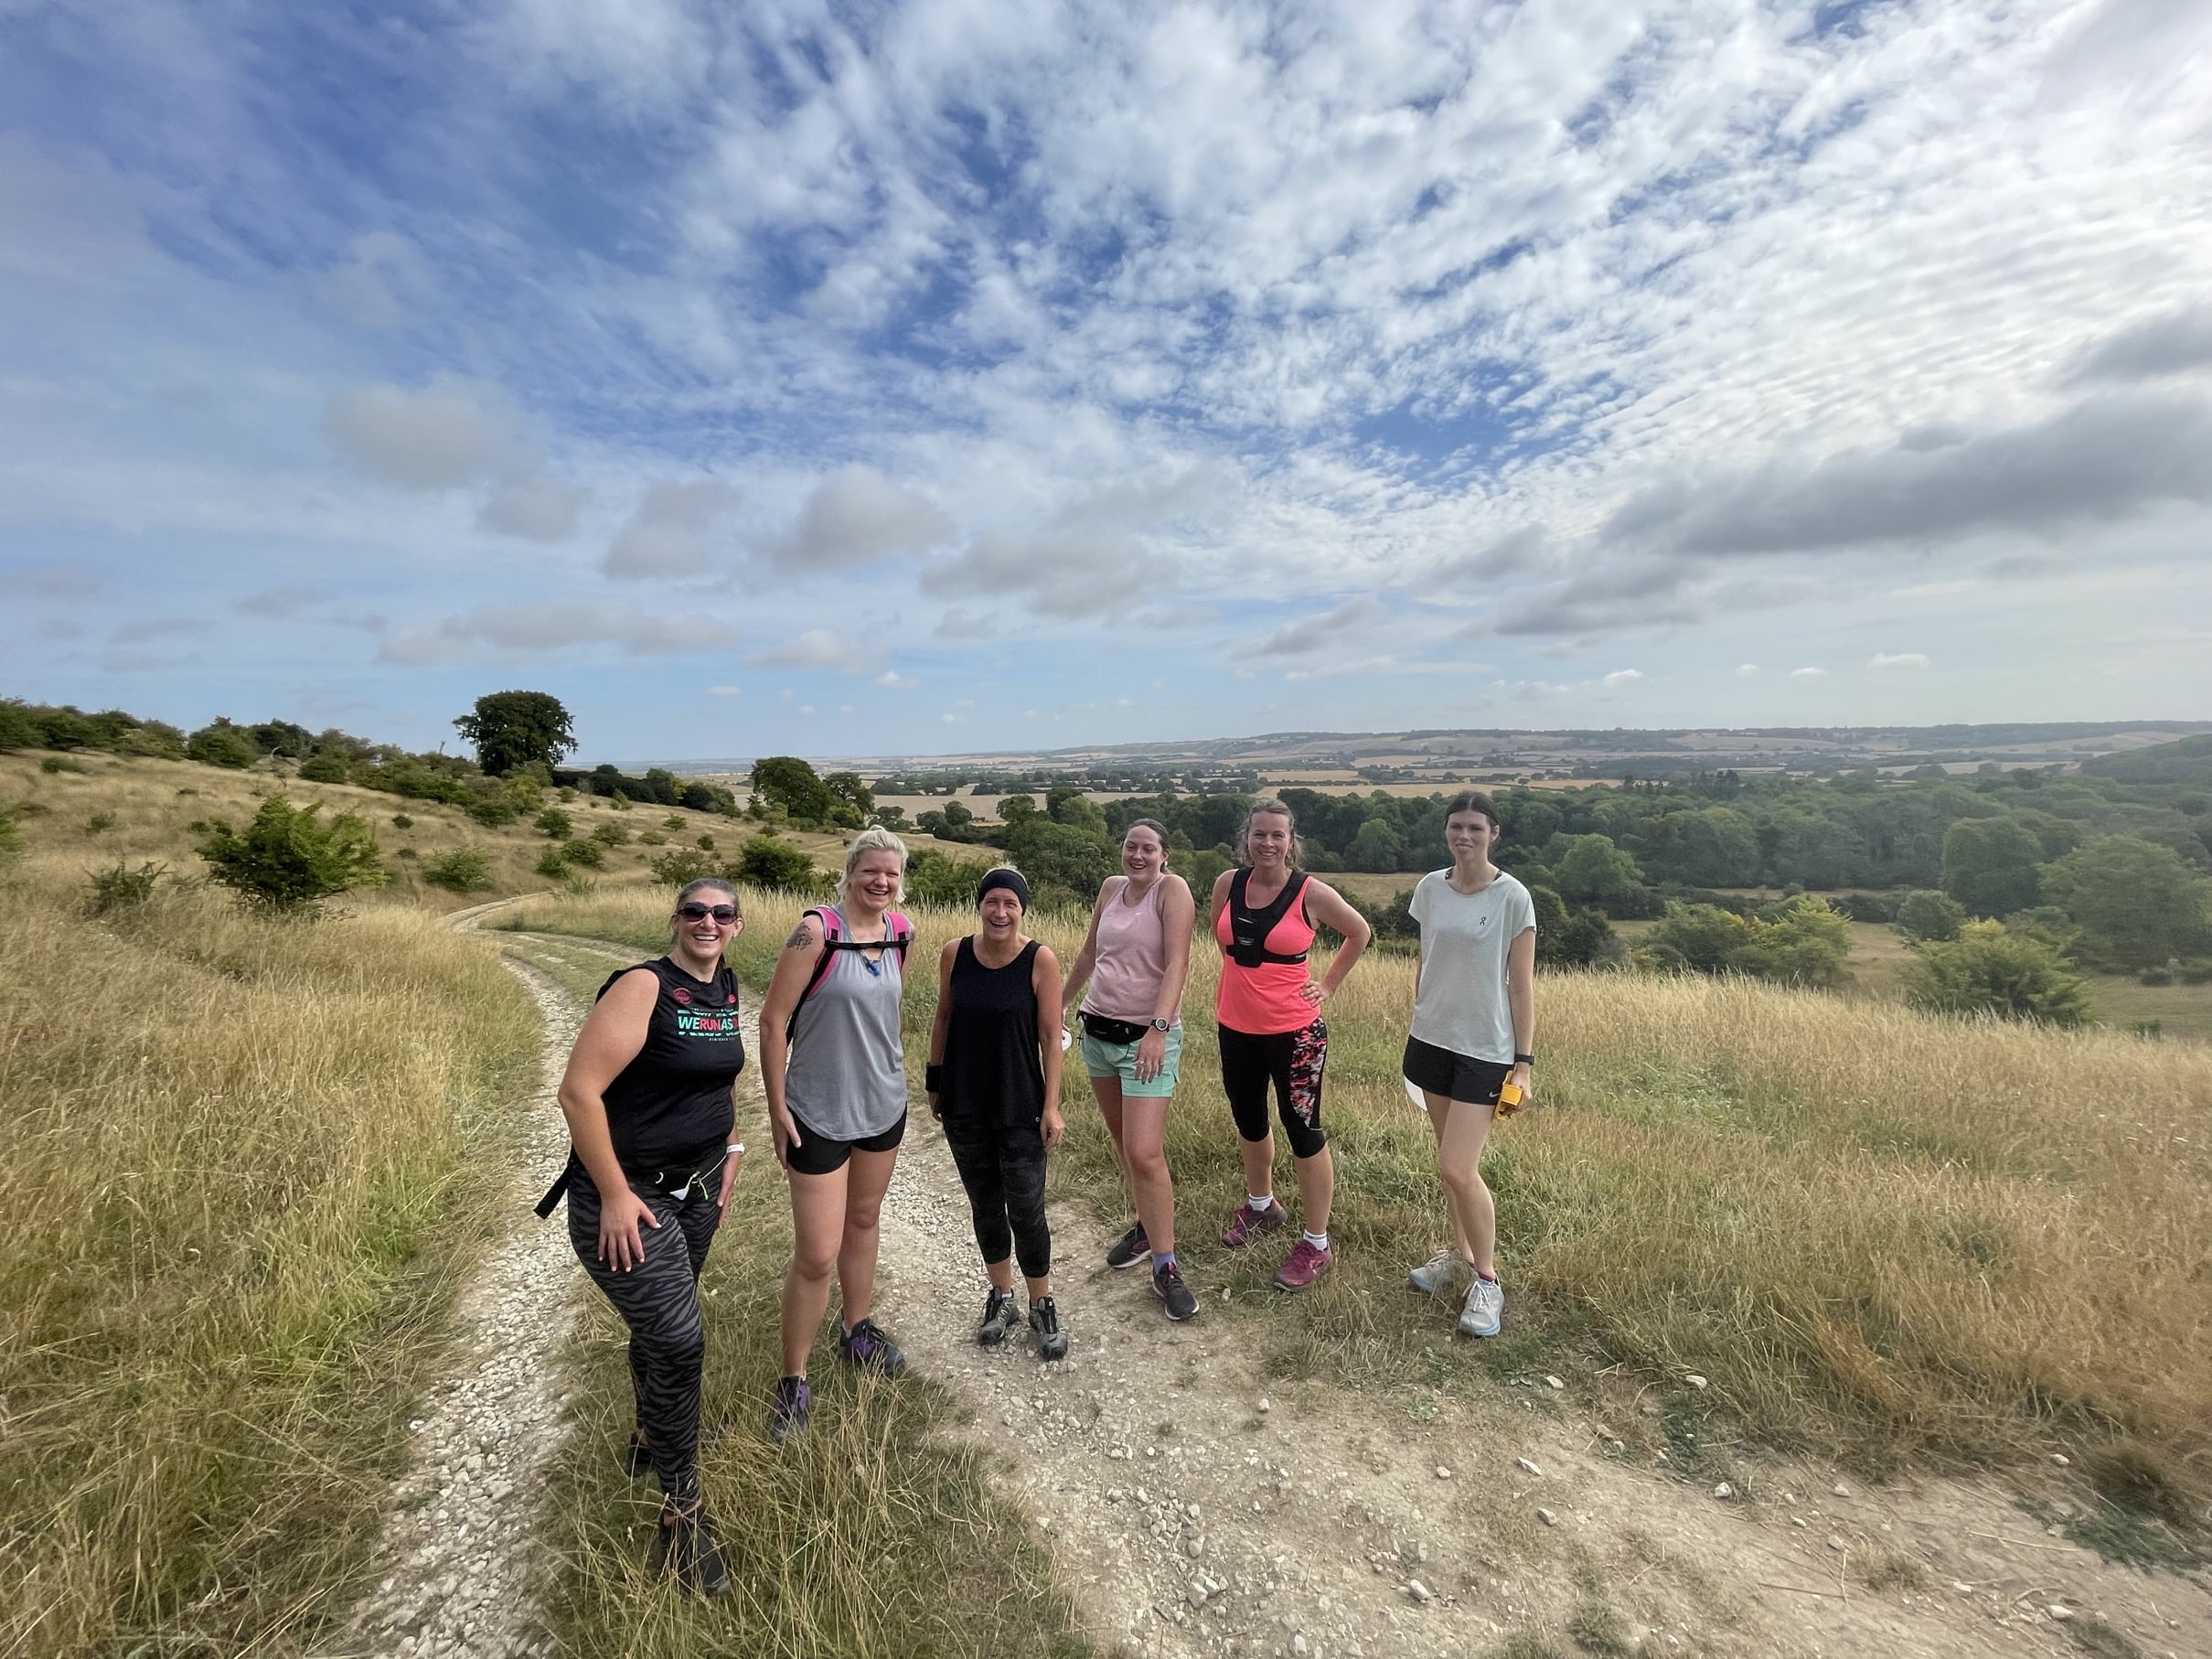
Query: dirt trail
x,y
459,1569
1193,1509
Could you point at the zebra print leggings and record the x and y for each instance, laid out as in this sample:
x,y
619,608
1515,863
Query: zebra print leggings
x,y
659,1301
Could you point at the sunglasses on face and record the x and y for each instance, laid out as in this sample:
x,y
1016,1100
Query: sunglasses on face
x,y
725,914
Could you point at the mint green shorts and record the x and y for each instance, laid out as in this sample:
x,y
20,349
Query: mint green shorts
x,y
1120,1060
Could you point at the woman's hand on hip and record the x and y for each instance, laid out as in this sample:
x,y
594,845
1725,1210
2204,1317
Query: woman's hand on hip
x,y
1315,992
621,1246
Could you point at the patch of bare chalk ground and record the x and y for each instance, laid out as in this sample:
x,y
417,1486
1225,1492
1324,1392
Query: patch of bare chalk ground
x,y
459,1569
1195,1509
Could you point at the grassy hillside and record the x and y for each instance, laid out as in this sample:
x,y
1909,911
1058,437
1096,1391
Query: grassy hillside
x,y
231,1156
1875,1233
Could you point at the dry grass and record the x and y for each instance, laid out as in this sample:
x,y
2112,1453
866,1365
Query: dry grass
x,y
1876,1233
230,1160
875,1537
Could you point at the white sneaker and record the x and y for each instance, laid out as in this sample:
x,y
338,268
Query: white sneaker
x,y
1440,1272
1485,1308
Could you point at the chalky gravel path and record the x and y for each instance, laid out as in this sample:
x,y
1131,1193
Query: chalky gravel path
x,y
460,1571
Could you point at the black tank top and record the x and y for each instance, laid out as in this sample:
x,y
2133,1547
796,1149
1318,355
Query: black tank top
x,y
671,1108
991,1069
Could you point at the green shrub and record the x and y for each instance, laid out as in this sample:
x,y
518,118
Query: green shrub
x,y
682,864
11,839
588,854
100,823
493,811
54,762
399,820
324,766
122,888
766,860
1927,914
705,843
551,865
933,878
1990,970
554,822
287,858
610,835
2155,977
221,744
653,837
463,869
1805,941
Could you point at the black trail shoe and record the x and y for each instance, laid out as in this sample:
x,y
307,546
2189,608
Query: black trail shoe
x,y
1044,1321
1175,1298
789,1408
865,1345
684,1548
1130,1249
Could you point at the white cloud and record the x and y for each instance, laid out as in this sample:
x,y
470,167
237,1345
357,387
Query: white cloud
x,y
891,679
1331,630
1747,670
539,630
1621,677
675,532
824,648
725,690
1808,673
1898,659
535,507
443,437
853,516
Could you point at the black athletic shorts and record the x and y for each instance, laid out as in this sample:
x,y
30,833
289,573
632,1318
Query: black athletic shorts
x,y
1440,1071
818,1154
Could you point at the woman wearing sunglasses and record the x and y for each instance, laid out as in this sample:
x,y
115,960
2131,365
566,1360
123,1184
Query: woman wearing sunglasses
x,y
650,1116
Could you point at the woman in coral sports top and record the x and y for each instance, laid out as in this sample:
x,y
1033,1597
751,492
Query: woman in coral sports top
x,y
1268,1019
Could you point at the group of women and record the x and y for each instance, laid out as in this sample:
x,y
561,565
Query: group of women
x,y
648,1098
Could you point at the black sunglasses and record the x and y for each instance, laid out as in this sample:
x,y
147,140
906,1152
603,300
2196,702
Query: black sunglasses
x,y
694,911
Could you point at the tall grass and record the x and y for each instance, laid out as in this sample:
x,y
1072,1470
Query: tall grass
x,y
1876,1233
229,1151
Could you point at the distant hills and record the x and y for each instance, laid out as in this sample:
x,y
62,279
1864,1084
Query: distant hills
x,y
1417,756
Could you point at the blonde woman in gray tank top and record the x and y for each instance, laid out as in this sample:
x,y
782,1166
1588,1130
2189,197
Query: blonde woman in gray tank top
x,y
1135,960
833,1066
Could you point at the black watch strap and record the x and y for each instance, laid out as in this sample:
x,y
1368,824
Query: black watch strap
x,y
1524,1059
1162,1026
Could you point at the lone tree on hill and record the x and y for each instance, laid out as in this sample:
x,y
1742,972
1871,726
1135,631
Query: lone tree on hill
x,y
515,729
786,781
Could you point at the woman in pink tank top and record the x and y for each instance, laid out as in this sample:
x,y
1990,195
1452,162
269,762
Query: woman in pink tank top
x,y
1135,959
1268,1022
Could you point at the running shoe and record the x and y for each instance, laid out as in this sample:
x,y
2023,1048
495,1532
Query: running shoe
x,y
1044,1319
1302,1267
1130,1249
1485,1308
637,1457
1000,1316
787,1409
1174,1295
684,1548
1440,1273
1249,1223
865,1345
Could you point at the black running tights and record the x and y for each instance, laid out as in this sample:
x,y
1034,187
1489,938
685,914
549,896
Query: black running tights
x,y
1003,1169
658,1300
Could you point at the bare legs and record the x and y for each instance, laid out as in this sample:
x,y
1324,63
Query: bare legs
x,y
1140,1126
836,1223
1462,1129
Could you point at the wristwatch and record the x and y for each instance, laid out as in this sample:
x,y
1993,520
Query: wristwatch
x,y
1162,1026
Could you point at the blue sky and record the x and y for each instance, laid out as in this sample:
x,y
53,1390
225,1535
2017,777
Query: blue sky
x,y
958,375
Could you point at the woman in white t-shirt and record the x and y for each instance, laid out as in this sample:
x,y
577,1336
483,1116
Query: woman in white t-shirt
x,y
1474,1018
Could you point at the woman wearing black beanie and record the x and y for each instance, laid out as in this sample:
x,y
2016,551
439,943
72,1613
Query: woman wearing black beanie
x,y
994,1083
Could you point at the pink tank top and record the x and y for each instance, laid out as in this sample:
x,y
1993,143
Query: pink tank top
x,y
1132,957
1266,1000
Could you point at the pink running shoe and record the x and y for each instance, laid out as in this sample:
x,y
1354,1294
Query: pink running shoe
x,y
1302,1267
1249,1223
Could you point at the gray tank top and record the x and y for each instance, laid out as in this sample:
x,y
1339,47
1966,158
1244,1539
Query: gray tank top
x,y
847,1079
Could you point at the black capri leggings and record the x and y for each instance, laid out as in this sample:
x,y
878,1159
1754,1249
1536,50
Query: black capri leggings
x,y
1293,1061
1002,1167
658,1300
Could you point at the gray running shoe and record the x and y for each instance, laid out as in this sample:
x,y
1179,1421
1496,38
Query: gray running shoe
x,y
1130,1249
1485,1308
1000,1316
685,1549
1439,1273
1044,1319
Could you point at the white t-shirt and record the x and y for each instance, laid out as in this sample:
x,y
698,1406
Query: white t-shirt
x,y
1464,939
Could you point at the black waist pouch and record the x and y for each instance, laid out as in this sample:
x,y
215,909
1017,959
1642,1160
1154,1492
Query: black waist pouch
x,y
1116,1034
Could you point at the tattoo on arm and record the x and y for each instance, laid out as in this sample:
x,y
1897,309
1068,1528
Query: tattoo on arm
x,y
798,939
